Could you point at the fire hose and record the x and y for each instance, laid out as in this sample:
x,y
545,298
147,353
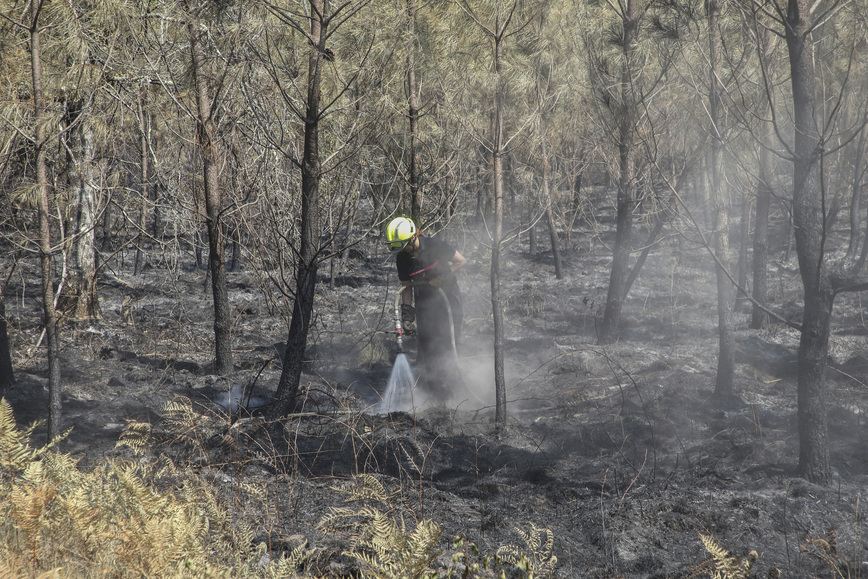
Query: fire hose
x,y
399,329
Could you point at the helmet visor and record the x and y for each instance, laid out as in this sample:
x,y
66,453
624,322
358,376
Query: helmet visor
x,y
398,244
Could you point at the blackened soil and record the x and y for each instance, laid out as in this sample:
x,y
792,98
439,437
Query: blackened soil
x,y
621,451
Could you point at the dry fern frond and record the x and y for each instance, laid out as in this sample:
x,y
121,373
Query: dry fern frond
x,y
380,540
179,413
136,436
826,550
15,451
390,551
722,564
29,513
366,487
123,518
185,425
539,560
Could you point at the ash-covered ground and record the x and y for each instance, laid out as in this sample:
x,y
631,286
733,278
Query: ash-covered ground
x,y
621,451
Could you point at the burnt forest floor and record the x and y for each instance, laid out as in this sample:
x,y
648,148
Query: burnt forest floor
x,y
621,451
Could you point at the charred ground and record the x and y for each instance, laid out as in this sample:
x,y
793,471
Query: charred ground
x,y
620,450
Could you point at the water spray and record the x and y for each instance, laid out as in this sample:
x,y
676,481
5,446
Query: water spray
x,y
399,391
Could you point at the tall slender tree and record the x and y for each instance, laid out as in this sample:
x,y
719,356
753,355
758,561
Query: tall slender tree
x,y
415,169
822,279
7,372
723,386
765,175
80,146
628,106
35,29
321,21
499,26
210,149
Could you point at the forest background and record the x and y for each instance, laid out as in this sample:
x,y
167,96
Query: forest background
x,y
282,137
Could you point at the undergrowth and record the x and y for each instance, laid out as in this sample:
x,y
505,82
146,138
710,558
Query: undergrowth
x,y
124,518
385,544
145,517
142,516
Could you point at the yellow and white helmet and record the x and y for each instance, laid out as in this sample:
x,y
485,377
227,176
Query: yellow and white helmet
x,y
399,232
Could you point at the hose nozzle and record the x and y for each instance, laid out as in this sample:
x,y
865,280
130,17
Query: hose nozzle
x,y
399,330
400,333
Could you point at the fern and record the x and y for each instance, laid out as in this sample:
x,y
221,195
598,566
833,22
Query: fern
x,y
120,519
722,564
379,539
15,451
540,560
826,550
135,435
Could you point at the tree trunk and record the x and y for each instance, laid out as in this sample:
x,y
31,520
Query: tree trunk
x,y
759,318
286,397
531,229
550,220
49,313
207,141
743,242
107,218
413,113
144,174
7,375
809,228
626,184
82,183
856,191
496,247
723,385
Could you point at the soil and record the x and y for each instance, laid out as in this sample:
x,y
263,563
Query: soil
x,y
621,451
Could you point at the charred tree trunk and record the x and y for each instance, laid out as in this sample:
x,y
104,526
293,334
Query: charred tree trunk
x,y
626,200
550,219
415,177
856,193
207,141
743,243
759,318
286,398
7,374
49,313
144,122
809,229
723,385
760,265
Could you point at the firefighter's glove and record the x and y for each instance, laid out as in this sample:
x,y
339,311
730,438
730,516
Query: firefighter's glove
x,y
408,314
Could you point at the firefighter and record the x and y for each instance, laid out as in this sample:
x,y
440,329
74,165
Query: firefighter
x,y
427,267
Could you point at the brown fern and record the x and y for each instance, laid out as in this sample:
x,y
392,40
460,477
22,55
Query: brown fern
x,y
826,550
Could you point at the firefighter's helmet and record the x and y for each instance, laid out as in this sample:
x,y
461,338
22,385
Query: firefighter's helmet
x,y
399,232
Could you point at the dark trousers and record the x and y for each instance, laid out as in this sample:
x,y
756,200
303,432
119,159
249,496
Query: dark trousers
x,y
436,361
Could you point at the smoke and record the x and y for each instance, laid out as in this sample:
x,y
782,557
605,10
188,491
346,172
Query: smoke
x,y
238,397
475,390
